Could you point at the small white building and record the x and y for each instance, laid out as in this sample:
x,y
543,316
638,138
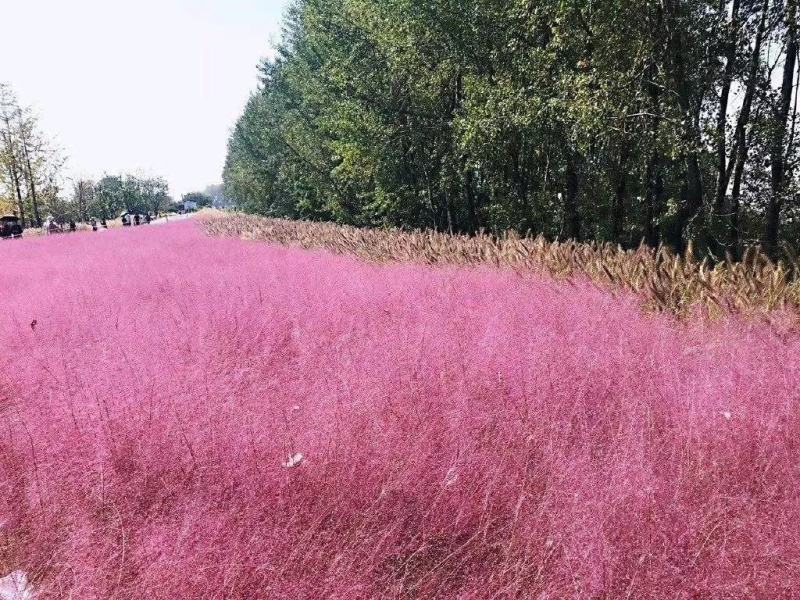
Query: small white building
x,y
189,205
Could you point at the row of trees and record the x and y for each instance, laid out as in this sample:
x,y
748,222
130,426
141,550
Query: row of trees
x,y
31,177
114,194
29,164
621,120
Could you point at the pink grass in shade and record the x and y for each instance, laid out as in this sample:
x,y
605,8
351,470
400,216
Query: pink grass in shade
x,y
188,417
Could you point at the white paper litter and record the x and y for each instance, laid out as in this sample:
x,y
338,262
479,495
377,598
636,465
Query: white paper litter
x,y
451,477
293,460
15,586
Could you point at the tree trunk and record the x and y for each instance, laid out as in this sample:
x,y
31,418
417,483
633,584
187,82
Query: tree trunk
x,y
741,142
653,197
31,182
618,206
690,108
777,156
654,183
572,219
12,171
691,202
520,181
449,210
472,205
723,173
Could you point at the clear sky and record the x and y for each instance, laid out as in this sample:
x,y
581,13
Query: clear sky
x,y
143,86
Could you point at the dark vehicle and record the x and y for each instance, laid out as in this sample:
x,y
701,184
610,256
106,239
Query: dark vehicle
x,y
10,227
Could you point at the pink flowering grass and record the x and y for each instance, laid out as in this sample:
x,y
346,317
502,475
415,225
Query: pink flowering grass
x,y
465,433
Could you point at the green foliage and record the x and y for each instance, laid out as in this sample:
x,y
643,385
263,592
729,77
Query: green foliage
x,y
115,194
569,118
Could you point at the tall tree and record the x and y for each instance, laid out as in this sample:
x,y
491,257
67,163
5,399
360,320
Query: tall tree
x,y
10,155
29,159
620,121
83,198
778,159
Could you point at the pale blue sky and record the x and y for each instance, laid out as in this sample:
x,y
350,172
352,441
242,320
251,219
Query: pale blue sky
x,y
148,86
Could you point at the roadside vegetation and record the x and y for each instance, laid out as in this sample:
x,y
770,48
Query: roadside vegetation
x,y
34,186
665,282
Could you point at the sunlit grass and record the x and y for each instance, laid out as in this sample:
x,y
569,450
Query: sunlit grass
x,y
193,417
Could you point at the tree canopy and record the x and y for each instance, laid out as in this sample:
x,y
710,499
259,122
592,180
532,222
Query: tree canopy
x,y
615,120
114,194
29,163
32,177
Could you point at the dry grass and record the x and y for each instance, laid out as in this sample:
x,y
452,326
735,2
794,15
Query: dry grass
x,y
667,283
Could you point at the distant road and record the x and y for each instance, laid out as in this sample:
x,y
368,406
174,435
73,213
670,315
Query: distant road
x,y
171,219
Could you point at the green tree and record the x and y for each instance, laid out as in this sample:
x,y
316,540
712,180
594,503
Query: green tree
x,y
616,120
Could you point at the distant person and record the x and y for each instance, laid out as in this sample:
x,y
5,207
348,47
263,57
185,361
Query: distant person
x,y
147,218
51,226
104,224
136,219
93,222
72,226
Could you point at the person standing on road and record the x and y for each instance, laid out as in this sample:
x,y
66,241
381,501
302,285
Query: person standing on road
x,y
93,222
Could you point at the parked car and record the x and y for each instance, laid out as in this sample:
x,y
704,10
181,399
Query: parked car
x,y
10,227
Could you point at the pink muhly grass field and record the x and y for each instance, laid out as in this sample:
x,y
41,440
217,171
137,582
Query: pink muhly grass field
x,y
464,433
